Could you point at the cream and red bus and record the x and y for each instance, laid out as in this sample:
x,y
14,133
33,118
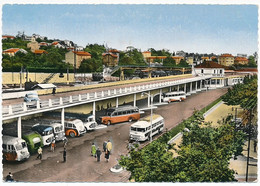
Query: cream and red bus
x,y
120,114
74,128
144,129
173,96
14,149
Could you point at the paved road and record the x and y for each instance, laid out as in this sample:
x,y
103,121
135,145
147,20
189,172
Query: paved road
x,y
81,167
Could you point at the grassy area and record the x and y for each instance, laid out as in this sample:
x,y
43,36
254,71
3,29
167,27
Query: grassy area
x,y
205,109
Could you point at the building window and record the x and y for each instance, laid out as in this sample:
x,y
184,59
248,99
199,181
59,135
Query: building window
x,y
220,71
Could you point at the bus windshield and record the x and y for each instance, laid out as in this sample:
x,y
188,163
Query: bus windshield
x,y
109,112
137,129
45,133
20,146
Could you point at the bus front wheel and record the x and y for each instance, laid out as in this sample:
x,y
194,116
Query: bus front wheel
x,y
72,134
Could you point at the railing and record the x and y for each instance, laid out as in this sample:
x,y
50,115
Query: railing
x,y
57,103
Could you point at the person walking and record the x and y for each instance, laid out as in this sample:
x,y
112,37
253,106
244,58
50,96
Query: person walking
x,y
9,177
53,145
104,146
107,153
93,150
54,91
109,146
39,153
64,155
98,152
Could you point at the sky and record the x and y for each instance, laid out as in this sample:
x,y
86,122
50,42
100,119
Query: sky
x,y
192,28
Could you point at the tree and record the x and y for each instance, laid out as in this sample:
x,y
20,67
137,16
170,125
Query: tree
x,y
251,61
183,63
203,155
169,62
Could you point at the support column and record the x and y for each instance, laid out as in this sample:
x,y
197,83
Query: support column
x,y
94,110
185,87
178,88
63,118
196,86
148,99
200,84
122,77
19,127
134,100
170,89
116,102
160,96
190,86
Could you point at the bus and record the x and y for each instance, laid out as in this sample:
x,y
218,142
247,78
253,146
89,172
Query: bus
x,y
14,149
142,129
58,131
45,131
173,96
120,114
89,122
33,141
74,128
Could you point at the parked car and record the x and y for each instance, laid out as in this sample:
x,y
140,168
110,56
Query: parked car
x,y
31,99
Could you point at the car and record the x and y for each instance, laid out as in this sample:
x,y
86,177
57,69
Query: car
x,y
31,99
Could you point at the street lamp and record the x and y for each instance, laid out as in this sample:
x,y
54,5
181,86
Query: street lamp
x,y
151,119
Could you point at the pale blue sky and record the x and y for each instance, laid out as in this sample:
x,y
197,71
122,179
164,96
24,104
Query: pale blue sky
x,y
192,28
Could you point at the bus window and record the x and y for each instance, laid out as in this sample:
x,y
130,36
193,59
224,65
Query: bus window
x,y
4,146
73,126
133,128
119,113
124,112
141,129
129,112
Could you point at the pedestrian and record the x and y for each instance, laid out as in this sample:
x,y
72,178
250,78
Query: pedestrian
x,y
53,145
107,153
93,150
109,146
54,91
65,141
64,155
98,154
39,153
104,146
255,145
9,177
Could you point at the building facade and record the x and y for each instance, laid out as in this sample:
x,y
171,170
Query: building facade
x,y
76,57
13,51
241,61
226,60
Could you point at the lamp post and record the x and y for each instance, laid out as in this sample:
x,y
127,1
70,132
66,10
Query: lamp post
x,y
151,119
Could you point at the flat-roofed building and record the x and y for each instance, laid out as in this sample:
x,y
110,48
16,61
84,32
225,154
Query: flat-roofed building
x,y
77,57
226,60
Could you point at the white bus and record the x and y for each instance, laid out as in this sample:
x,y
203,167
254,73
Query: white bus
x,y
173,96
14,149
45,131
142,129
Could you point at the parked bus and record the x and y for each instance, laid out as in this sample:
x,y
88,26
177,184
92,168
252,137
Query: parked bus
x,y
173,96
14,149
89,122
142,129
121,114
45,131
58,131
74,128
33,141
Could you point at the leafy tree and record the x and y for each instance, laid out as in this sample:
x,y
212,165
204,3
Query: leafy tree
x,y
169,62
203,155
251,61
244,94
183,63
90,65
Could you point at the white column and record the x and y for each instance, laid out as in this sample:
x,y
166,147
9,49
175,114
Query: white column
x,y
200,84
70,99
185,86
50,103
94,110
170,89
63,118
87,95
160,96
19,127
178,88
95,95
108,92
38,104
190,86
24,106
134,100
61,101
79,97
116,102
102,93
196,86
148,99
114,91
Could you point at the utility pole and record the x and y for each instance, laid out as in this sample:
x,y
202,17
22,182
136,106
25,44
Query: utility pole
x,y
248,146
